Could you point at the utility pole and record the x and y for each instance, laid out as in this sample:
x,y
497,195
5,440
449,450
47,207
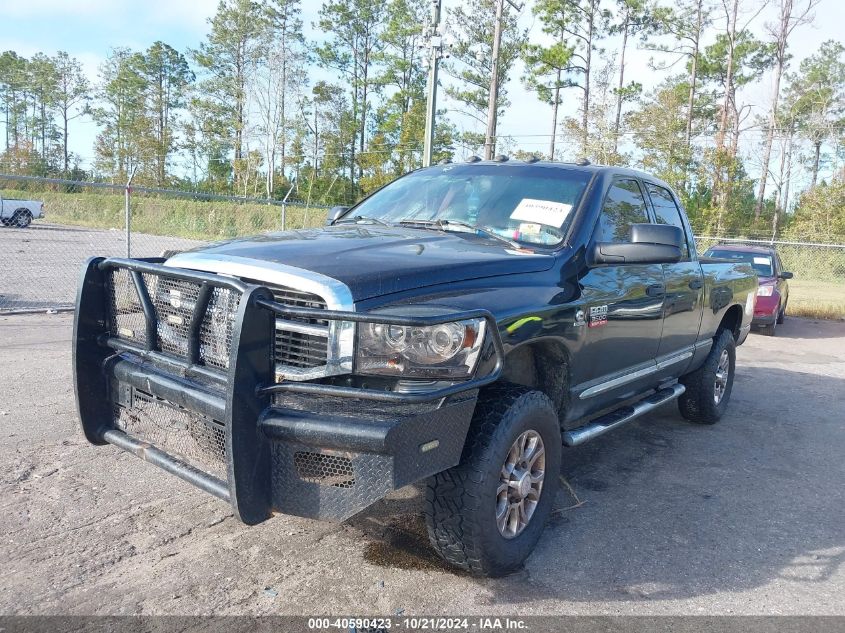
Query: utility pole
x,y
434,44
492,103
492,109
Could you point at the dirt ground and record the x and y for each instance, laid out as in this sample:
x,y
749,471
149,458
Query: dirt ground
x,y
662,517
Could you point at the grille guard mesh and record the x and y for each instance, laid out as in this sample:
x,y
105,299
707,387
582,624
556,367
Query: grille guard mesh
x,y
195,439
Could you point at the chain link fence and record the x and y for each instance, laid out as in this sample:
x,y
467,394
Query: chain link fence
x,y
39,264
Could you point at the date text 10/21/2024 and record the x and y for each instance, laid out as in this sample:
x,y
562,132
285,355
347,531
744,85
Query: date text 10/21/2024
x,y
360,625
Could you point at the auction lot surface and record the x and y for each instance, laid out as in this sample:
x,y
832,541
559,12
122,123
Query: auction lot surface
x,y
747,517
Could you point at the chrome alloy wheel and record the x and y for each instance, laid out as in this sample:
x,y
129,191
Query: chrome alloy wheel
x,y
520,484
722,373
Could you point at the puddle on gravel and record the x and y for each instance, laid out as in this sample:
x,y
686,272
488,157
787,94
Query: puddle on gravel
x,y
404,545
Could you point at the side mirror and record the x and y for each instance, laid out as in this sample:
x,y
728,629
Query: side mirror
x,y
649,244
334,214
786,275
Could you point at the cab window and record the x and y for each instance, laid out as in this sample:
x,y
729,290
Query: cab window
x,y
623,206
667,212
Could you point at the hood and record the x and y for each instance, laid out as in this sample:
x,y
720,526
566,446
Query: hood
x,y
372,260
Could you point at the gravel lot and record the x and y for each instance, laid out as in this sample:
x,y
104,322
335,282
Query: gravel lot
x,y
663,517
39,265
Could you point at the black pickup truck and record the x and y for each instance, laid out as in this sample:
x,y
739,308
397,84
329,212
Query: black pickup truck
x,y
457,328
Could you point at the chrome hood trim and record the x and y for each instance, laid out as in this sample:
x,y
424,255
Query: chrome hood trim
x,y
336,293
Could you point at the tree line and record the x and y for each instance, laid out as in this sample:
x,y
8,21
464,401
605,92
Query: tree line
x,y
243,113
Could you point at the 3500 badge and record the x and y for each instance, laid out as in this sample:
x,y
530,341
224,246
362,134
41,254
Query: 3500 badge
x,y
598,316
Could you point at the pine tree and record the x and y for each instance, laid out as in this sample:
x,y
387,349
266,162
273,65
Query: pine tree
x,y
73,96
227,60
354,28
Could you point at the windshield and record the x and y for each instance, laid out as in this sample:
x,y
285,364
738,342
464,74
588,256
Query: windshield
x,y
761,263
530,204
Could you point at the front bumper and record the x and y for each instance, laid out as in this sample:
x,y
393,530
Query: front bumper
x,y
311,449
761,320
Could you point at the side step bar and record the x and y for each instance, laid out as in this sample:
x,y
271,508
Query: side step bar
x,y
608,422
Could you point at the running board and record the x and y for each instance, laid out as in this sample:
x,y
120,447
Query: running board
x,y
608,422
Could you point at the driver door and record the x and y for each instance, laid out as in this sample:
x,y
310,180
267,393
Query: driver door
x,y
623,309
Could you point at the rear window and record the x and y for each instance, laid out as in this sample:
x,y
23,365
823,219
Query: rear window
x,y
760,262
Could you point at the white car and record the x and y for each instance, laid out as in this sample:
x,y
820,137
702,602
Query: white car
x,y
20,213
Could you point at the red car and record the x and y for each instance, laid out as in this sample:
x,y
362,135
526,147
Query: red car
x,y
772,289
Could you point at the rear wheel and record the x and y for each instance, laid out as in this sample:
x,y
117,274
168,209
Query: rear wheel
x,y
708,388
486,514
22,218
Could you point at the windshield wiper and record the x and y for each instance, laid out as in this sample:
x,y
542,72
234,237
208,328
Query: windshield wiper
x,y
360,218
422,224
443,225
482,230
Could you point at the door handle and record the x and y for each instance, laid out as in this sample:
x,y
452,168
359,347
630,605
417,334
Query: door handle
x,y
656,290
696,284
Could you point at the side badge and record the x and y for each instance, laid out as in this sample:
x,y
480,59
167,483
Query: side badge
x,y
598,316
580,319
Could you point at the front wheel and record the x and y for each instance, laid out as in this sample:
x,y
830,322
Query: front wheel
x,y
782,315
486,514
708,388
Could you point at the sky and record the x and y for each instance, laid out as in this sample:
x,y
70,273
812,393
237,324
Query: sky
x,y
88,29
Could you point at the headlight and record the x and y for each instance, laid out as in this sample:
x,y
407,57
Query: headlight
x,y
765,291
445,351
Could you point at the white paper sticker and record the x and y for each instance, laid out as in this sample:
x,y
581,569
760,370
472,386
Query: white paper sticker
x,y
542,211
764,261
530,228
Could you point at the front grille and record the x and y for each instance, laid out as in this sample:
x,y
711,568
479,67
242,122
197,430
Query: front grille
x,y
173,301
195,439
299,299
295,346
324,469
296,349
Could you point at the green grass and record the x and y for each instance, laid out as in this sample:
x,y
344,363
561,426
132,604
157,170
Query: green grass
x,y
177,217
816,299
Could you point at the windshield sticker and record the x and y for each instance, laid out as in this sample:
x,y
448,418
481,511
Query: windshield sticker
x,y
762,260
542,211
532,229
